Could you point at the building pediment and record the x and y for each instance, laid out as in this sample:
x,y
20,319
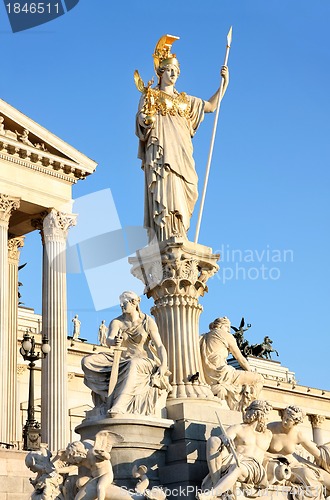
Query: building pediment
x,y
24,139
36,167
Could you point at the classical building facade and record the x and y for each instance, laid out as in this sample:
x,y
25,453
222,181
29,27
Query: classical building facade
x,y
37,171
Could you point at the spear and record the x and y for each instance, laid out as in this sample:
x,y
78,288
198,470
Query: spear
x,y
227,442
208,166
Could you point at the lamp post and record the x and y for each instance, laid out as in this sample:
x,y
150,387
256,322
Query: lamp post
x,y
32,429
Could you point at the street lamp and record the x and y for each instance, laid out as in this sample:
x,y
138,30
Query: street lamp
x,y
32,429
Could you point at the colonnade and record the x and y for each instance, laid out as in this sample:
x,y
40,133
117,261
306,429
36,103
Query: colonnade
x,y
53,226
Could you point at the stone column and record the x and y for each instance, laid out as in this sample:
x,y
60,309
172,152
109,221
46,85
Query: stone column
x,y
317,424
54,408
175,277
14,429
7,205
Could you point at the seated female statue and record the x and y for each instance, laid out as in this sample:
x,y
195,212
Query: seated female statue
x,y
237,387
143,371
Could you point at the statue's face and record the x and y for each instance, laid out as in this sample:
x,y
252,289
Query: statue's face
x,y
288,421
127,306
170,75
75,452
249,416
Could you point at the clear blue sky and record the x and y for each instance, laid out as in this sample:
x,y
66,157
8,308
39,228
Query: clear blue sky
x,y
268,197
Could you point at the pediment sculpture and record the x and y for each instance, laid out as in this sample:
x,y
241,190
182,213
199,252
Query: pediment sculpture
x,y
23,136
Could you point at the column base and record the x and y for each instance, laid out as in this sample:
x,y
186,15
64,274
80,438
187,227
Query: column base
x,y
190,391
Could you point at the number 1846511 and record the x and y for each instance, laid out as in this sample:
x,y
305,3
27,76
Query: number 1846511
x,y
33,8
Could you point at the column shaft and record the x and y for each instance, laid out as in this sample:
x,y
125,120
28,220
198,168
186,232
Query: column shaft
x,y
54,410
54,404
14,425
175,275
317,422
4,344
177,318
7,205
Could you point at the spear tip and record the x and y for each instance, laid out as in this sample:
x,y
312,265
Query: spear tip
x,y
229,36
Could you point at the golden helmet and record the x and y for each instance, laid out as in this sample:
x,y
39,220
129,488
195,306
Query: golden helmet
x,y
162,55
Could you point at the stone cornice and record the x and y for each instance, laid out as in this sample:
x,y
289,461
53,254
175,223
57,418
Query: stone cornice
x,y
41,161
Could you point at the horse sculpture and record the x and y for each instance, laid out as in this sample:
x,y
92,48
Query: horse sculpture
x,y
262,350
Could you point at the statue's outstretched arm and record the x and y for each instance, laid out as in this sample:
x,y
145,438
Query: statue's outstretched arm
x,y
309,445
114,333
211,104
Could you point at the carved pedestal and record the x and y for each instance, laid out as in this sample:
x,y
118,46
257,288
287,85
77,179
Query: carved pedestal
x,y
146,440
175,275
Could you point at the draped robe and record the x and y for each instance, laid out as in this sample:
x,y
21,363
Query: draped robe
x,y
166,152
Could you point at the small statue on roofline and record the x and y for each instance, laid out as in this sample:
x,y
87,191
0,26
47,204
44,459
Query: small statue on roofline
x,y
262,350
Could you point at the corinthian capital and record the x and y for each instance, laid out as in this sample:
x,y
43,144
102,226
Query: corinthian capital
x,y
7,205
54,225
14,244
316,421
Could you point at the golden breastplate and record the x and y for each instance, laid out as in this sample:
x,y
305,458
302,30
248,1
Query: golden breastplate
x,y
172,105
157,101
